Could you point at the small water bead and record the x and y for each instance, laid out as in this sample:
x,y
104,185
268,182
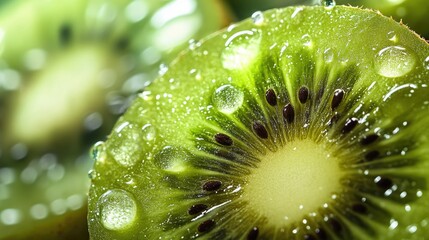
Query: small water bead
x,y
392,36
117,209
241,49
328,3
426,63
149,132
227,99
328,55
97,150
306,40
171,159
394,61
92,174
258,18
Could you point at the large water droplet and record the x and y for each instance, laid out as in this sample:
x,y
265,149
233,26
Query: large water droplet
x,y
258,18
118,209
241,49
149,132
394,61
126,145
171,159
227,99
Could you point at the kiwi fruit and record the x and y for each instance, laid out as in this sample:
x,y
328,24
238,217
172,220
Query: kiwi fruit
x,y
298,123
413,13
67,71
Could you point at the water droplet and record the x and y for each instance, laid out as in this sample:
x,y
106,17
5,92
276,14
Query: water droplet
x,y
149,132
297,10
328,3
258,18
426,63
306,40
97,150
118,209
394,61
92,174
328,55
227,99
162,69
392,36
241,49
126,144
171,159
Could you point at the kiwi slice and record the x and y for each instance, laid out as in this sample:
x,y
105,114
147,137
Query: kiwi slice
x,y
299,123
413,13
67,70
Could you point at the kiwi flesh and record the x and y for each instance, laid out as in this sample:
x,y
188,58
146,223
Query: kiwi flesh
x,y
413,13
299,123
67,70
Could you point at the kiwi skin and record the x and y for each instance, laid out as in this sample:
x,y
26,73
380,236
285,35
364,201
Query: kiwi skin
x,y
180,162
68,34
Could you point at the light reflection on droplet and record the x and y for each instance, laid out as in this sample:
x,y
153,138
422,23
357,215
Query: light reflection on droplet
x,y
227,99
394,61
258,17
118,209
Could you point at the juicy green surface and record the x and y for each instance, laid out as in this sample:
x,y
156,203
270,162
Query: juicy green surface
x,y
412,12
67,70
151,168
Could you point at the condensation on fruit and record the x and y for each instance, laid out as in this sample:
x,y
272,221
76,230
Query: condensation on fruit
x,y
306,41
126,147
241,49
258,18
117,209
426,63
227,99
328,55
394,61
149,132
171,159
97,151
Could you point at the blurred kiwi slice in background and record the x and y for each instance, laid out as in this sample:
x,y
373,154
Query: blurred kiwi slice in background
x,y
67,71
299,123
413,13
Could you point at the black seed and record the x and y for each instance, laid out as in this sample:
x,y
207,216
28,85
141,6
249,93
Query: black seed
x,y
335,225
371,155
288,113
253,234
223,139
338,97
212,185
206,226
334,119
309,237
197,209
369,139
65,34
359,208
320,233
303,94
349,125
271,97
383,183
260,130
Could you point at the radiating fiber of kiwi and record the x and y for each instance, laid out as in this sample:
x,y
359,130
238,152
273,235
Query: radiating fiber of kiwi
x,y
299,123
